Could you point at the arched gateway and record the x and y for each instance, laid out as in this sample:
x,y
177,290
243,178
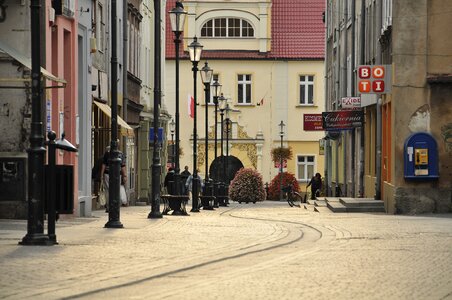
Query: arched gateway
x,y
229,164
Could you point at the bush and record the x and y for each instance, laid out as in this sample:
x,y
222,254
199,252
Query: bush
x,y
247,186
287,179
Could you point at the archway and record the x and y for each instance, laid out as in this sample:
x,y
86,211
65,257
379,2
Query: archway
x,y
216,170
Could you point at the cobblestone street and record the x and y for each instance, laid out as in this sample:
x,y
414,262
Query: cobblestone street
x,y
262,251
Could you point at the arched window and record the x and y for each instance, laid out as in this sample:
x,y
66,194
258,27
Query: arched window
x,y
227,27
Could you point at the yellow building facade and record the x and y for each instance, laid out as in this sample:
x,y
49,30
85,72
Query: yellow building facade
x,y
273,84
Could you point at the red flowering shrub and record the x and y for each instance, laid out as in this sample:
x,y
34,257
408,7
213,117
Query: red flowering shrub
x,y
287,179
247,186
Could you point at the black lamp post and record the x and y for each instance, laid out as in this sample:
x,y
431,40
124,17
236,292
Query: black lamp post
x,y
35,222
206,76
173,153
216,88
114,160
195,49
156,164
177,18
222,101
228,123
281,134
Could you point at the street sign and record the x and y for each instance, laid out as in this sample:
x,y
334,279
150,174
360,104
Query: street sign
x,y
160,135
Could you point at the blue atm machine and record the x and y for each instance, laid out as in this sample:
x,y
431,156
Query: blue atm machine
x,y
421,157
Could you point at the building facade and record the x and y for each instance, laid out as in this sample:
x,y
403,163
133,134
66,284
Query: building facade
x,y
405,38
59,60
268,57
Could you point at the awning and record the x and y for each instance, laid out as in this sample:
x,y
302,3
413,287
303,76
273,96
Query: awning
x,y
125,128
26,61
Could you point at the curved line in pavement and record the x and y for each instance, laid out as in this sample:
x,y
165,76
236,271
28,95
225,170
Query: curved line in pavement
x,y
192,267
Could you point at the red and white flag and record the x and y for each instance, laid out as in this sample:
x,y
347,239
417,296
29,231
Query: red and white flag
x,y
191,106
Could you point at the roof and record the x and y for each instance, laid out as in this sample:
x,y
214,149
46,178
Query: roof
x,y
297,33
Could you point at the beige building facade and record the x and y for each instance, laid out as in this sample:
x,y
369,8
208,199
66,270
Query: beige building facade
x,y
272,85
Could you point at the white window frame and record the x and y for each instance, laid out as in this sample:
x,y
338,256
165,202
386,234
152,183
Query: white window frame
x,y
306,164
307,84
246,84
242,23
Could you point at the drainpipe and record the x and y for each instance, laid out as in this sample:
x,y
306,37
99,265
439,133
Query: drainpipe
x,y
344,94
125,53
353,132
362,136
379,123
327,142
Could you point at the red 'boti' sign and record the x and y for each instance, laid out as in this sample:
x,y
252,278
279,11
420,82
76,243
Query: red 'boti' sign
x,y
312,122
342,119
374,79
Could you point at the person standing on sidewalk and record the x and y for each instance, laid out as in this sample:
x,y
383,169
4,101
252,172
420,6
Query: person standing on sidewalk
x,y
316,185
189,185
104,172
184,176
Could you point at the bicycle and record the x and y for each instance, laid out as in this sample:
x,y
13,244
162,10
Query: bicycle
x,y
293,197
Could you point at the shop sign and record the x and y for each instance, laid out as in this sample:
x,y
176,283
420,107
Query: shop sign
x,y
342,120
312,122
374,79
351,103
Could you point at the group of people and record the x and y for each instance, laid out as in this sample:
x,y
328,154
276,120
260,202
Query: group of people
x,y
186,178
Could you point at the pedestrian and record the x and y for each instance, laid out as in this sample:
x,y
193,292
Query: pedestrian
x,y
169,181
316,185
184,176
104,174
189,185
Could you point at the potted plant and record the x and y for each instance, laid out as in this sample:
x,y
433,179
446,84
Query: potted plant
x,y
281,153
247,186
288,179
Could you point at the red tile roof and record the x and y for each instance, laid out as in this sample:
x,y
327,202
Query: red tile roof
x,y
297,32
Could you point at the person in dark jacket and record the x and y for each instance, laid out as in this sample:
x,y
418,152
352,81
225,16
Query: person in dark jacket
x,y
184,176
169,178
316,185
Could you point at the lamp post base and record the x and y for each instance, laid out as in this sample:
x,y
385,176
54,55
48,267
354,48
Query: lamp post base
x,y
36,239
155,215
114,224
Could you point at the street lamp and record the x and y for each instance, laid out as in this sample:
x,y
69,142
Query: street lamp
x,y
177,18
35,221
228,123
216,89
222,102
114,160
173,154
195,49
156,162
206,76
281,134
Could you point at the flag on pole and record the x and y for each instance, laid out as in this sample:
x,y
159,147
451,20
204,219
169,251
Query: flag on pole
x,y
191,106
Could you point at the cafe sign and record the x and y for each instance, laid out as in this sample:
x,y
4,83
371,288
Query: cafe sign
x,y
342,119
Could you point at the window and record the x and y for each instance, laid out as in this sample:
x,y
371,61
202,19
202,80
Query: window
x,y
227,27
244,89
305,167
306,90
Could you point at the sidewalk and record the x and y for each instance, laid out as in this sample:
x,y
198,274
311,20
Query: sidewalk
x,y
249,251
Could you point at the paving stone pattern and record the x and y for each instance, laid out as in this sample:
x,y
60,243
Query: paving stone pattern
x,y
245,251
